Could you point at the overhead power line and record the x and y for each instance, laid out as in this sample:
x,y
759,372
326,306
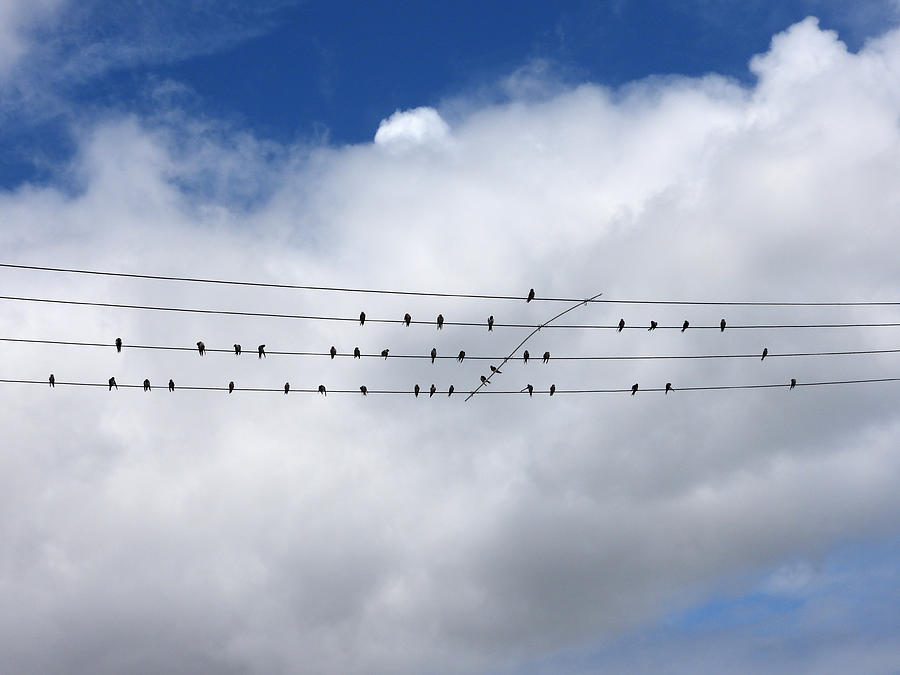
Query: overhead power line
x,y
478,324
478,296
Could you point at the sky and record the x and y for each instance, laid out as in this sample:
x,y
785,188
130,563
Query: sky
x,y
728,151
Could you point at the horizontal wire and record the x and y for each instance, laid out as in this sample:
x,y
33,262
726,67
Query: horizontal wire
x,y
480,324
423,392
652,357
479,296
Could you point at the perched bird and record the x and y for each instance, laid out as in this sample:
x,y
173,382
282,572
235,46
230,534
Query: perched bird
x,y
333,352
793,382
461,356
416,391
530,295
685,325
552,389
356,353
52,380
112,383
668,387
634,388
362,318
384,353
722,326
525,356
621,325
433,354
287,387
491,323
406,319
450,391
237,349
322,390
653,326
146,385
171,385
230,387
431,391
529,389
546,357
440,321
118,344
261,351
496,370
201,347
765,353
484,380
364,390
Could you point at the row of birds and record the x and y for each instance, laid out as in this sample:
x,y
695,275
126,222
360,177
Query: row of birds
x,y
407,319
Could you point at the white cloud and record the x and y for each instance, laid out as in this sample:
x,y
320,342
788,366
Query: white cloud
x,y
17,17
393,535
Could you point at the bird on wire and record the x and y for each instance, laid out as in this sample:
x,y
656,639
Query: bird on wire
x,y
450,391
431,391
146,385
634,388
416,391
171,385
552,389
490,323
363,389
433,354
462,355
529,389
287,387
685,325
230,387
546,358
333,352
237,349
407,319
201,347
722,326
484,381
440,321
261,351
668,388
322,390
112,383
496,370
356,353
118,344
52,380
525,356
384,353
530,296
765,353
653,326
362,318
621,325
793,382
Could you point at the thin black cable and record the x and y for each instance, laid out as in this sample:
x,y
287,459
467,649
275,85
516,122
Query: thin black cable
x,y
479,296
478,324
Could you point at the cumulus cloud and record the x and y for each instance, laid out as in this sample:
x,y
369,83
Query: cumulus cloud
x,y
266,533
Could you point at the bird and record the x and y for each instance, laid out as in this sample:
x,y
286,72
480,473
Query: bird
x,y
793,382
685,325
416,391
653,326
433,354
621,325
322,390
450,391
546,358
384,353
364,390
431,391
261,350
530,295
171,385
362,318
356,353
52,380
112,383
201,347
484,380
118,344
722,326
552,389
668,387
634,388
529,389
230,387
440,321
490,323
496,370
237,349
461,356
765,353
146,385
287,387
333,352
525,356
406,319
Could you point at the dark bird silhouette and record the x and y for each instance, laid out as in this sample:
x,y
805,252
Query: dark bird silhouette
x,y
653,325
112,383
433,354
416,391
362,318
237,350
356,353
484,380
722,326
529,389
322,390
634,388
621,325
685,325
118,344
230,387
668,387
171,385
525,356
461,356
765,353
407,319
496,370
490,323
384,353
546,358
364,390
530,295
201,347
333,352
793,382
450,391
261,351
287,387
146,385
431,391
52,380
552,389
440,321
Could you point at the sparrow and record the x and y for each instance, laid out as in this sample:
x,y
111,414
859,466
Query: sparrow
x,y
530,295
364,390
171,385
525,356
384,353
765,353
552,389
484,380
431,391
450,391
653,326
496,370
490,323
287,387
668,387
230,387
146,385
333,352
793,382
621,325
52,380
261,351
406,319
416,391
322,390
722,326
440,321
237,350
685,325
118,344
433,354
201,347
362,318
112,383
546,357
461,356
634,388
356,353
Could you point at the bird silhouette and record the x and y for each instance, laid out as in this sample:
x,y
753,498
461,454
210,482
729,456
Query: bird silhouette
x,y
529,389
722,326
287,387
384,353
685,325
322,390
201,347
364,390
793,382
490,323
461,356
146,385
552,389
118,344
433,354
171,385
525,356
356,353
765,353
52,380
406,319
546,358
112,383
333,352
668,387
450,391
261,351
416,391
237,349
634,388
496,370
530,295
621,325
431,391
440,321
230,387
362,318
484,380
653,326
